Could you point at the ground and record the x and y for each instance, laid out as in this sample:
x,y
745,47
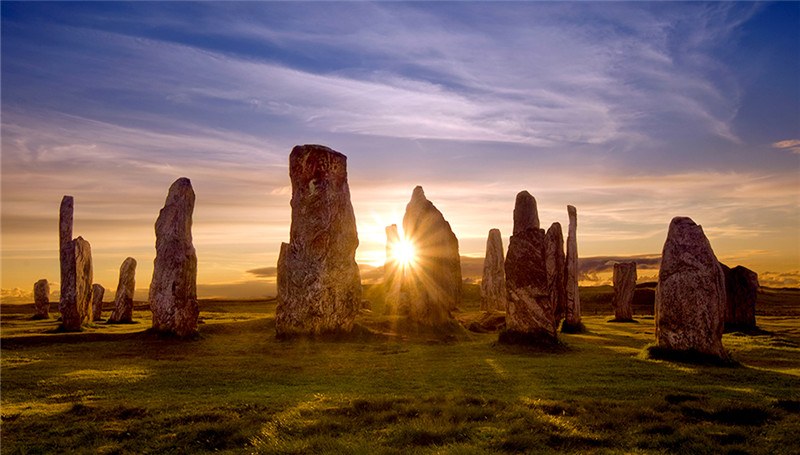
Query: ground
x,y
391,389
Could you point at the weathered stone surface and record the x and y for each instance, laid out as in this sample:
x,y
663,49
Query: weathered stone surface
x,y
66,254
526,215
493,284
392,272
123,299
431,286
98,292
319,284
624,286
173,289
77,308
690,297
572,318
555,261
41,299
530,312
741,289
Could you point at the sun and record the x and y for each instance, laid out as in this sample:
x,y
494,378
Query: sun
x,y
404,252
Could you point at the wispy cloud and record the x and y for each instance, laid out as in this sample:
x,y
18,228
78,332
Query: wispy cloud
x,y
792,145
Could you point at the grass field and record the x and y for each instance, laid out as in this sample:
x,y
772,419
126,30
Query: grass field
x,y
236,389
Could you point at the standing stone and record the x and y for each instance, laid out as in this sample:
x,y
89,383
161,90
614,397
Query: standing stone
x,y
526,215
690,297
624,286
530,316
41,299
555,261
77,308
431,286
741,288
66,249
98,292
123,299
493,284
572,320
173,289
392,272
319,284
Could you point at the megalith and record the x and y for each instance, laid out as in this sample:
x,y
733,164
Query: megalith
x,y
123,299
530,314
572,319
690,296
555,261
98,291
76,306
41,299
741,289
392,272
493,283
319,284
66,249
431,286
173,289
624,278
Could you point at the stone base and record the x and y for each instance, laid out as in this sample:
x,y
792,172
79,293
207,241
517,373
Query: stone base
x,y
543,341
569,328
744,328
691,356
38,317
623,320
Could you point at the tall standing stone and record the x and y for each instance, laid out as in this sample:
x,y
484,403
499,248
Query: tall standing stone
x,y
98,292
572,320
741,286
123,299
319,284
624,278
530,315
493,284
690,297
431,286
41,299
77,308
66,249
392,272
173,289
555,261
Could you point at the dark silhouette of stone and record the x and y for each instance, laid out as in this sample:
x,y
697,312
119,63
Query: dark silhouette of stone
x,y
392,272
41,299
431,286
741,289
690,296
493,284
555,261
76,307
173,289
530,314
624,287
123,299
98,292
319,284
66,253
572,320
526,215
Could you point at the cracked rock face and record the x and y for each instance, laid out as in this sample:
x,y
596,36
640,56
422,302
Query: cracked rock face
x,y
555,261
690,297
319,284
98,292
573,306
493,283
76,306
624,278
123,299
173,289
41,299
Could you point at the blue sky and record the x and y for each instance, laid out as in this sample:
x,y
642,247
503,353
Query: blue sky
x,y
632,112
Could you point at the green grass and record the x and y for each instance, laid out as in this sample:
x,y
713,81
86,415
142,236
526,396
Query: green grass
x,y
237,389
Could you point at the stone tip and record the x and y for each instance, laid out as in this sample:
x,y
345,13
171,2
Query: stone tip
x,y
67,198
183,181
315,148
572,210
524,194
418,193
683,220
494,231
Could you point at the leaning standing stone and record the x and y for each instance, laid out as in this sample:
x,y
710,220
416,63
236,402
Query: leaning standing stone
x,y
624,286
76,312
123,299
173,289
572,321
319,284
41,299
741,286
98,292
690,297
493,284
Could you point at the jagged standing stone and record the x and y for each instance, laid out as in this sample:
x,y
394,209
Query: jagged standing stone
x,y
392,272
624,278
319,284
98,292
526,215
173,289
77,309
41,299
555,261
431,286
493,284
572,320
123,299
530,315
690,296
741,288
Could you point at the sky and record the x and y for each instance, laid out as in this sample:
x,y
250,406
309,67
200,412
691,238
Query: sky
x,y
633,112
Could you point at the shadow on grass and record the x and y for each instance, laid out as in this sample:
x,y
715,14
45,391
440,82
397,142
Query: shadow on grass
x,y
655,352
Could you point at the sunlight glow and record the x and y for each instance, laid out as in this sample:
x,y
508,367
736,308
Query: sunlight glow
x,y
404,252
